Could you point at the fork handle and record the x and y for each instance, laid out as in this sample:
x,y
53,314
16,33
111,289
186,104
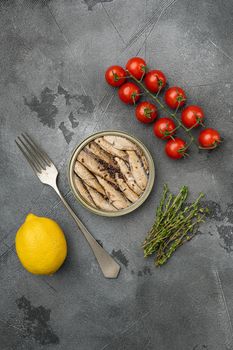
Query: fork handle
x,y
108,265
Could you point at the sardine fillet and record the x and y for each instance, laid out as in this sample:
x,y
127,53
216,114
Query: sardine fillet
x,y
121,143
83,191
110,149
94,166
97,151
115,197
137,169
88,177
100,201
131,195
145,163
128,176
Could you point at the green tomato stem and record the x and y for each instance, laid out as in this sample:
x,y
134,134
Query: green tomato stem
x,y
172,115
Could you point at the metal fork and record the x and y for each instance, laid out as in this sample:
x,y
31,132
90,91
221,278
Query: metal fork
x,y
47,174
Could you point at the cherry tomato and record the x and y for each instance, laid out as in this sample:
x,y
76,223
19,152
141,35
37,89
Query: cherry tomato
x,y
136,66
175,148
155,80
146,112
129,93
115,76
175,97
163,128
192,116
209,138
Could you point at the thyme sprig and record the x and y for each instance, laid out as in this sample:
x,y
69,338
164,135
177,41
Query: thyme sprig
x,y
176,222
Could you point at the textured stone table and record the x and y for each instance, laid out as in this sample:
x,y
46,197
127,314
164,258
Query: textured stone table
x,y
53,57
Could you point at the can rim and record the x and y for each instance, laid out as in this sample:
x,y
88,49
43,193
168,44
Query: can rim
x,y
141,199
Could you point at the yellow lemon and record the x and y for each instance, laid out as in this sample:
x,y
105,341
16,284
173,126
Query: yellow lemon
x,y
41,245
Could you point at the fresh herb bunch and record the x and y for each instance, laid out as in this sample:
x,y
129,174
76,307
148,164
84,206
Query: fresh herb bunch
x,y
176,223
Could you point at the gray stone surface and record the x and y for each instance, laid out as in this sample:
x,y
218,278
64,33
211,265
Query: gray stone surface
x,y
53,57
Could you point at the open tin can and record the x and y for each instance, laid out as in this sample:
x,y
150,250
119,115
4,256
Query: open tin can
x,y
141,199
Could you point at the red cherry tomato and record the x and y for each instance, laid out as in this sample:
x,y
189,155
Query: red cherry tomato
x,y
155,80
209,138
129,93
175,148
164,128
115,76
136,66
192,116
175,97
146,112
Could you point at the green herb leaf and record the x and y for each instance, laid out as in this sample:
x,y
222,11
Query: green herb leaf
x,y
176,223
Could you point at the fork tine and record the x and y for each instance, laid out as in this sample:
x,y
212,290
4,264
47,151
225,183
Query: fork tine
x,y
41,165
30,161
43,155
35,151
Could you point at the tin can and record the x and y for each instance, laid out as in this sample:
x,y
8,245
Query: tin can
x,y
141,199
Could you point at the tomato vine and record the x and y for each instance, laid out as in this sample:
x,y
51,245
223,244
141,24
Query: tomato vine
x,y
151,83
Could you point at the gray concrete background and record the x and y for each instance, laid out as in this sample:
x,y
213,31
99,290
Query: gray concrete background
x,y
53,57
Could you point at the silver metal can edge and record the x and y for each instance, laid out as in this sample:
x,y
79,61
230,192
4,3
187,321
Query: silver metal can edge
x,y
145,194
